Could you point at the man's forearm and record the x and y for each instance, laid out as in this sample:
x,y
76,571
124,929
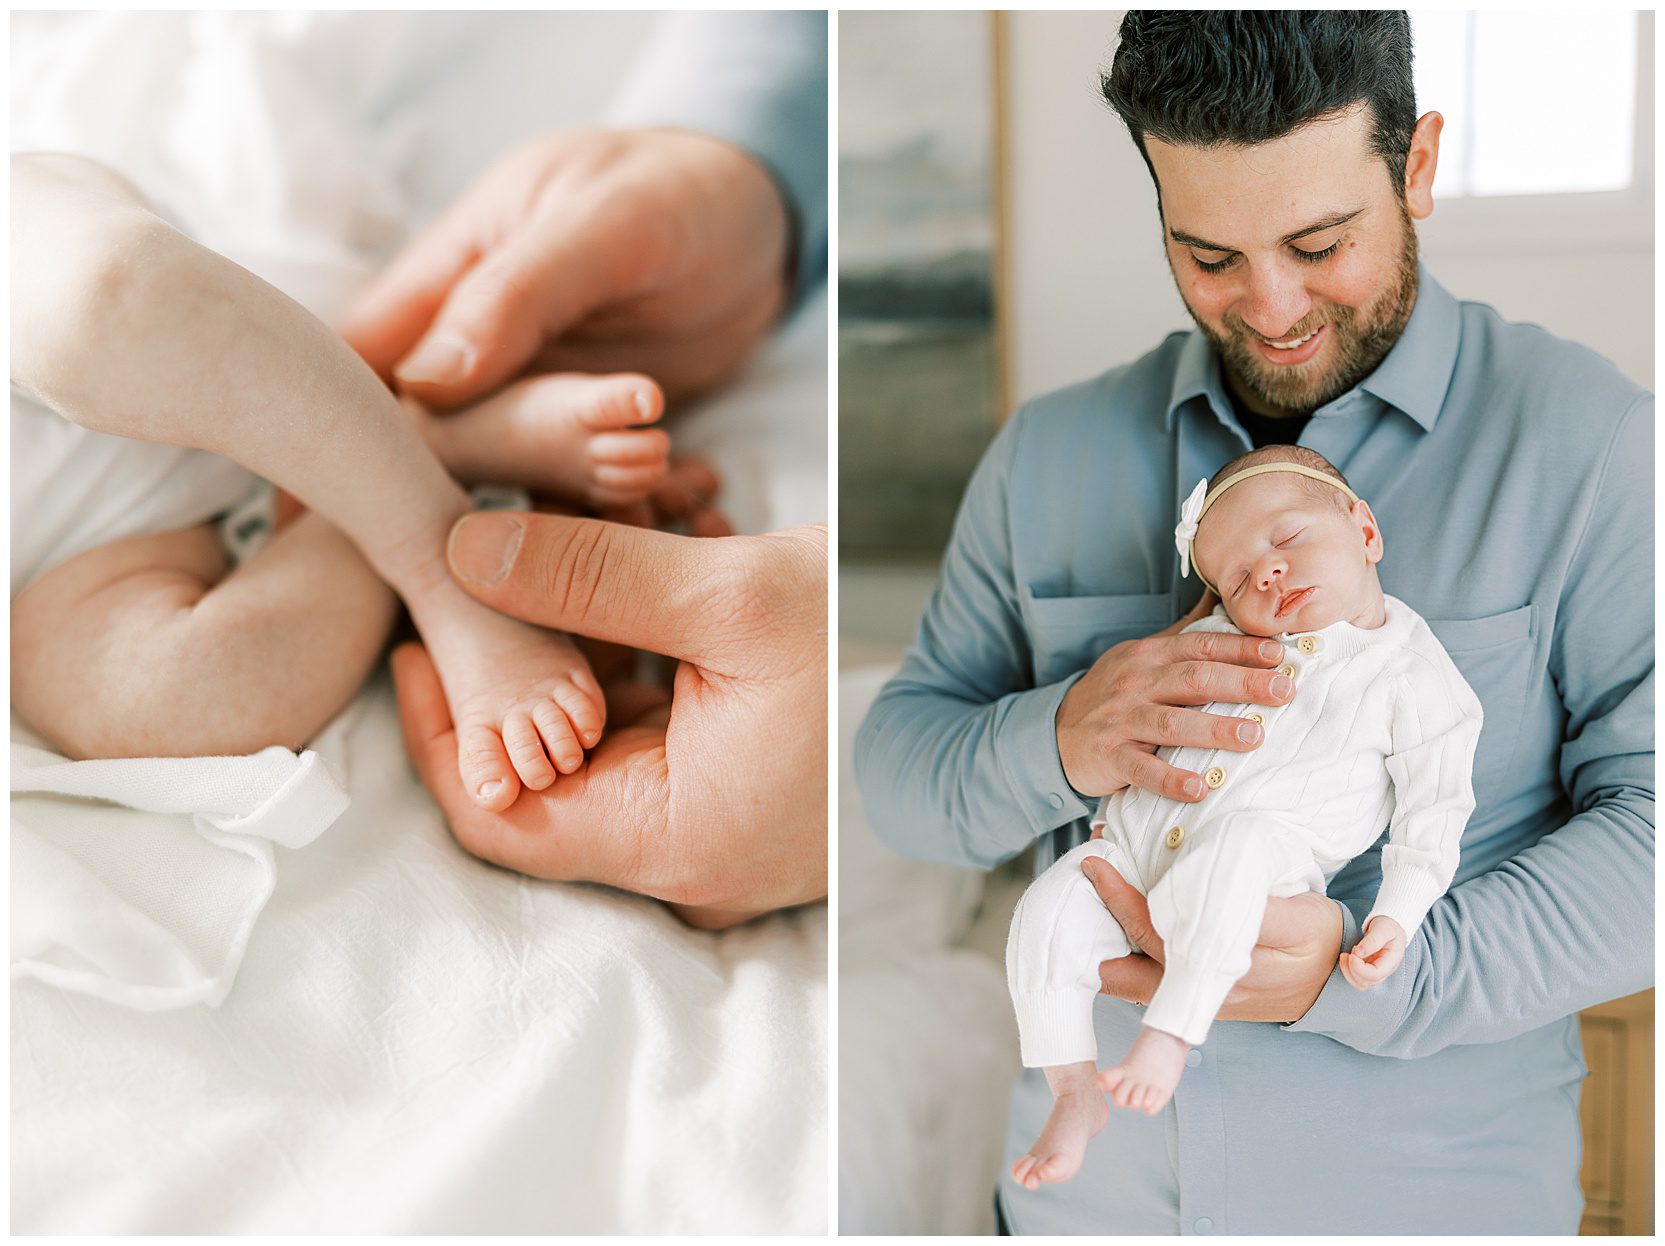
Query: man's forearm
x,y
967,784
1560,926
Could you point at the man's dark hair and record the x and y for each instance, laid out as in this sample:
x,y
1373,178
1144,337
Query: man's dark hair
x,y
1209,77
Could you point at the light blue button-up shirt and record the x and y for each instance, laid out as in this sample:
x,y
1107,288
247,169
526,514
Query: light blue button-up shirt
x,y
1512,475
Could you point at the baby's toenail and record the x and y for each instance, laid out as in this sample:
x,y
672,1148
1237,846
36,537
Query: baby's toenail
x,y
644,405
488,790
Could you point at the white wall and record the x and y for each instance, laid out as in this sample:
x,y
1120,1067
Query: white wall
x,y
1087,285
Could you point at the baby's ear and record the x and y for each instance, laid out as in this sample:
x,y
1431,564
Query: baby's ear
x,y
1368,528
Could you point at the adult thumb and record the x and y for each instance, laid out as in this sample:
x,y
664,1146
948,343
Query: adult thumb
x,y
634,586
501,312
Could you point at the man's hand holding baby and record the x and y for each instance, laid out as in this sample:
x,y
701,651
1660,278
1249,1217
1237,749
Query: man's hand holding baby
x,y
1376,955
1136,698
1300,937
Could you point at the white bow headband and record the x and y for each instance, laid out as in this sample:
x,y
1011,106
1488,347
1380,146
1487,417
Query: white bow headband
x,y
1196,506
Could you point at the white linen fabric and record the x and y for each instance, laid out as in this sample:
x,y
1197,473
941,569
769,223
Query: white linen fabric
x,y
1382,732
414,1041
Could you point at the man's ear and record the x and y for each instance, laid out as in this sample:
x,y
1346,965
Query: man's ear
x,y
1420,164
1368,528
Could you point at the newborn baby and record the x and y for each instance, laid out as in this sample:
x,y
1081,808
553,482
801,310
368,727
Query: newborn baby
x,y
1381,732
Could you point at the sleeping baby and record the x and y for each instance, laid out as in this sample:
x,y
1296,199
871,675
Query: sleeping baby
x,y
1381,732
153,644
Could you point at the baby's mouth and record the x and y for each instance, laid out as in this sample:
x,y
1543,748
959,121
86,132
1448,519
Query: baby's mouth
x,y
1292,600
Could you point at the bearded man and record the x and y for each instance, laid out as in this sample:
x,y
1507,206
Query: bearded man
x,y
1513,471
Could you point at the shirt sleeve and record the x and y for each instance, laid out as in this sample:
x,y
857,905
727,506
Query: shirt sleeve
x,y
958,758
1436,728
756,79
1567,922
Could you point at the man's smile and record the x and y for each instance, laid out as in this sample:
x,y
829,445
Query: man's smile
x,y
1294,350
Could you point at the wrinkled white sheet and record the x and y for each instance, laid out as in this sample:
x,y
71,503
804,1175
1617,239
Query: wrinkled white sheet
x,y
415,1042
927,1048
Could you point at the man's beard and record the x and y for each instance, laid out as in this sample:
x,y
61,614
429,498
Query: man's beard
x,y
1355,348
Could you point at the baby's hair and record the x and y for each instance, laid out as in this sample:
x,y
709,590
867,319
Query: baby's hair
x,y
1299,455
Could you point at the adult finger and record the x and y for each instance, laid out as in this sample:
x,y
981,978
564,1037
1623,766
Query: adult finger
x,y
1216,647
424,715
1198,683
1139,767
1133,978
635,586
391,315
1126,905
501,312
1172,725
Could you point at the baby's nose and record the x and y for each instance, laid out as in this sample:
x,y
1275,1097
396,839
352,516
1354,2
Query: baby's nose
x,y
1270,573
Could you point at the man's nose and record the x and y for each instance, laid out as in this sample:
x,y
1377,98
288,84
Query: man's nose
x,y
1275,302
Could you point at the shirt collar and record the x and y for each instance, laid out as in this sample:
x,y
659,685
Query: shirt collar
x,y
1414,377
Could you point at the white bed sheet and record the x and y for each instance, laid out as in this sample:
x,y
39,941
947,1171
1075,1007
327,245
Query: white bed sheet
x,y
415,1041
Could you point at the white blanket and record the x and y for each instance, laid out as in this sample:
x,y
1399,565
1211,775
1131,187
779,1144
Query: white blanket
x,y
414,1042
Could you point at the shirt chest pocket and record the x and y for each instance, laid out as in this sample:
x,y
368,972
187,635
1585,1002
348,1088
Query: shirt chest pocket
x,y
1495,656
1067,634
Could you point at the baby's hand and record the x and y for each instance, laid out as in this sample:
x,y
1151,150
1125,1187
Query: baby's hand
x,y
1376,955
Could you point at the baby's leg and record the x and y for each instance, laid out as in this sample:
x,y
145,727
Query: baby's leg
x,y
578,438
146,647
1208,909
1078,1113
133,329
1061,933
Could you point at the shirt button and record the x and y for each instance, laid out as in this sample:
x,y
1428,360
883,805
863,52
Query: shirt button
x,y
1214,776
1205,1225
1259,718
1175,837
1309,644
1055,800
1193,1057
1287,671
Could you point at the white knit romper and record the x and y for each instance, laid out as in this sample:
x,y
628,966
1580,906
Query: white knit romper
x,y
1381,733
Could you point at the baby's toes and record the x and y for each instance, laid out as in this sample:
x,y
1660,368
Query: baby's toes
x,y
483,764
641,447
580,696
619,401
558,736
526,751
612,485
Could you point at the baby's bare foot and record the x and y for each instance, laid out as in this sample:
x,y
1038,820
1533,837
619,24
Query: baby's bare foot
x,y
523,699
1077,1115
1147,1075
578,438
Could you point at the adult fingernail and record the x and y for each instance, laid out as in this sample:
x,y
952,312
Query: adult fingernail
x,y
1270,651
442,359
1248,732
1193,787
1282,686
483,547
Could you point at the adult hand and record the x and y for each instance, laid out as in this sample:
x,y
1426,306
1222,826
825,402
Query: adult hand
x,y
1300,939
654,251
716,803
1131,702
